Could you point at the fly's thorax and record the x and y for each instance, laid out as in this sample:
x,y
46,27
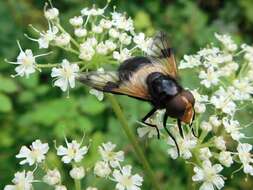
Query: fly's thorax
x,y
161,87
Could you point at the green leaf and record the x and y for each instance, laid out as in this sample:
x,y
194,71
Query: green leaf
x,y
91,105
5,103
7,85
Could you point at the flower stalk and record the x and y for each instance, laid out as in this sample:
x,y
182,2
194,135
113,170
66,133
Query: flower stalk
x,y
120,115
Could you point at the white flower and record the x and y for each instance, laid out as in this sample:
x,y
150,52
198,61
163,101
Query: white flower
x,y
76,21
36,153
200,101
121,56
97,29
121,22
47,37
21,181
184,144
60,187
108,155
77,173
226,41
125,39
26,62
110,45
91,188
233,128
225,158
248,52
125,180
246,157
91,41
62,40
209,175
190,61
97,93
114,33
209,78
142,42
105,23
214,121
228,69
101,48
65,75
102,169
244,89
206,126
222,100
73,151
51,13
52,177
86,51
92,12
80,32
205,153
220,143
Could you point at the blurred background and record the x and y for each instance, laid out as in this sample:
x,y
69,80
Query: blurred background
x,y
32,108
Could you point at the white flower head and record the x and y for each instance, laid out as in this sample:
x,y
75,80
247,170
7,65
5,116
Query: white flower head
x,y
185,146
122,55
200,101
34,154
99,94
108,155
246,157
209,77
225,158
63,39
248,52
52,177
110,45
125,39
91,188
102,48
77,173
190,61
205,153
213,119
26,62
73,152
142,42
226,40
76,21
21,181
220,143
86,51
107,24
206,126
125,180
223,100
114,33
120,21
80,32
233,128
60,187
65,75
102,169
51,13
93,11
97,29
209,175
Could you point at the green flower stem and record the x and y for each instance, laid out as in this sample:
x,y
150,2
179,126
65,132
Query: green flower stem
x,y
77,184
137,148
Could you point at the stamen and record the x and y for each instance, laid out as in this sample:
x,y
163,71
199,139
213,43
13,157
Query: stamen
x,y
19,46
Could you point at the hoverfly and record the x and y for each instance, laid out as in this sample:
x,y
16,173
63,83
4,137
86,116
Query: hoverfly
x,y
150,78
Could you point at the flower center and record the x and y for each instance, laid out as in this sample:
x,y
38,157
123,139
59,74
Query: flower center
x,y
126,181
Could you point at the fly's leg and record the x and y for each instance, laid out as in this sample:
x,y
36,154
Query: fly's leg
x,y
149,114
169,133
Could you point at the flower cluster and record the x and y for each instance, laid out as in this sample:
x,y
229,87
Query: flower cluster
x,y
73,153
96,39
225,87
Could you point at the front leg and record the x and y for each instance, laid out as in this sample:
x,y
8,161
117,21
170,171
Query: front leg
x,y
149,114
169,133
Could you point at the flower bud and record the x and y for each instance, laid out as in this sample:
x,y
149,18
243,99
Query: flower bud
x,y
77,173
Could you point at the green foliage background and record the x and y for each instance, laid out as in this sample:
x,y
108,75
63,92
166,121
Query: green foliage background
x,y
32,108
